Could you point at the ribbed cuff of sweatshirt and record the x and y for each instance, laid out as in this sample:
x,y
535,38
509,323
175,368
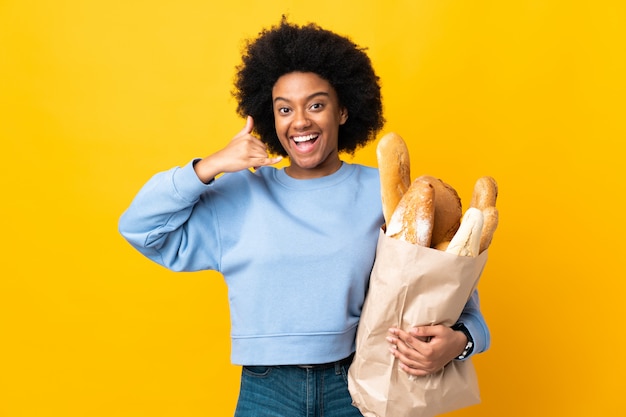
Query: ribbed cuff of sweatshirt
x,y
186,182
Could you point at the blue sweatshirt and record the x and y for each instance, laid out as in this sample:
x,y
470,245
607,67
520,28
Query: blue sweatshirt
x,y
296,254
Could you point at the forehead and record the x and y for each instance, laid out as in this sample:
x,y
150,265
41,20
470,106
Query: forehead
x,y
301,85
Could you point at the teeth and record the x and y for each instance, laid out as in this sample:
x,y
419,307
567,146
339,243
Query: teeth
x,y
299,139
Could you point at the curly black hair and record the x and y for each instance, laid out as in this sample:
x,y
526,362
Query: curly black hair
x,y
288,48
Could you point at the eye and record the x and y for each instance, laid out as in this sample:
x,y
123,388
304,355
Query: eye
x,y
316,106
283,110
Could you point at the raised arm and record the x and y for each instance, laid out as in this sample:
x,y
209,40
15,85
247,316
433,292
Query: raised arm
x,y
163,222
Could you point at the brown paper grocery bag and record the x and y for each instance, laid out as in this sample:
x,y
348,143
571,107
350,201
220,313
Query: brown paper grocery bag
x,y
411,286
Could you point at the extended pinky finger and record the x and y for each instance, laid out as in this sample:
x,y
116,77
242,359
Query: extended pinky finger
x,y
268,161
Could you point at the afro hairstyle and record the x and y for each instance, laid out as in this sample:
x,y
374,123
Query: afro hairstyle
x,y
287,48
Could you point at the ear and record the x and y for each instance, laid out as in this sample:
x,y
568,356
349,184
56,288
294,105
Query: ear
x,y
343,116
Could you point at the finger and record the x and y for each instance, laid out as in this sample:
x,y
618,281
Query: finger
x,y
411,347
425,332
406,363
248,127
411,361
268,161
401,353
413,371
274,160
402,335
403,344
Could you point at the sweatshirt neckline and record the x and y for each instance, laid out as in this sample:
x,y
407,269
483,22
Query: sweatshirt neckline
x,y
313,183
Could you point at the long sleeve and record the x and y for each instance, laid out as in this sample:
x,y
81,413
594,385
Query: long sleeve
x,y
158,222
473,319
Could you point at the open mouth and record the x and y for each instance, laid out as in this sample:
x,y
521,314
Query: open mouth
x,y
305,142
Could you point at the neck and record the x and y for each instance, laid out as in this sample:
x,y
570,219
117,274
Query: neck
x,y
328,168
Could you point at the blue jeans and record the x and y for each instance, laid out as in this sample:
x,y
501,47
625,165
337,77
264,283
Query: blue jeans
x,y
291,391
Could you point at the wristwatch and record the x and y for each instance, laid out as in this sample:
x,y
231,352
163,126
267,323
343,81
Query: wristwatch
x,y
460,327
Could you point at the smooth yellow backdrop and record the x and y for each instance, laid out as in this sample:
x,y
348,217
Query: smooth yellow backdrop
x,y
96,96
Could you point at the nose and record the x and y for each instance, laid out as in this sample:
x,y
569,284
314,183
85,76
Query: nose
x,y
301,119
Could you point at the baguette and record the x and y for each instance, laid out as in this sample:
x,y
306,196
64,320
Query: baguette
x,y
484,198
466,241
395,172
448,211
414,217
485,193
490,223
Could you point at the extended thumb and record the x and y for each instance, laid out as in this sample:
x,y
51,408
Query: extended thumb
x,y
249,125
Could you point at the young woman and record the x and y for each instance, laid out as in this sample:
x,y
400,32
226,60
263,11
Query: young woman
x,y
295,245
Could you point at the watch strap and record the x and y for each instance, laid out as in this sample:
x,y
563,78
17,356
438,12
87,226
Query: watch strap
x,y
469,347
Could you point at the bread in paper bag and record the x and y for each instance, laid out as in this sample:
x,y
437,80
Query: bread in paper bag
x,y
412,285
420,280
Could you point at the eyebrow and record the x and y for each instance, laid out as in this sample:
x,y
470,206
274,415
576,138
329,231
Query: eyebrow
x,y
320,93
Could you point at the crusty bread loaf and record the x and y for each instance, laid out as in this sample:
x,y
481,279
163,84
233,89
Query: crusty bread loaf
x,y
485,193
448,210
414,217
484,198
395,171
466,241
490,224
442,245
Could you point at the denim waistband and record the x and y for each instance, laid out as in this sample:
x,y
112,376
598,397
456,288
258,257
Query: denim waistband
x,y
341,362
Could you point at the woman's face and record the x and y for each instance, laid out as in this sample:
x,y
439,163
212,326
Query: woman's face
x,y
307,117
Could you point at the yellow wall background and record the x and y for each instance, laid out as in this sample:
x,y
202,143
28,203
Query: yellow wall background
x,y
96,96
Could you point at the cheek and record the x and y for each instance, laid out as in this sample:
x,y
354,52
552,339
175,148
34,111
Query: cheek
x,y
279,124
281,129
334,124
